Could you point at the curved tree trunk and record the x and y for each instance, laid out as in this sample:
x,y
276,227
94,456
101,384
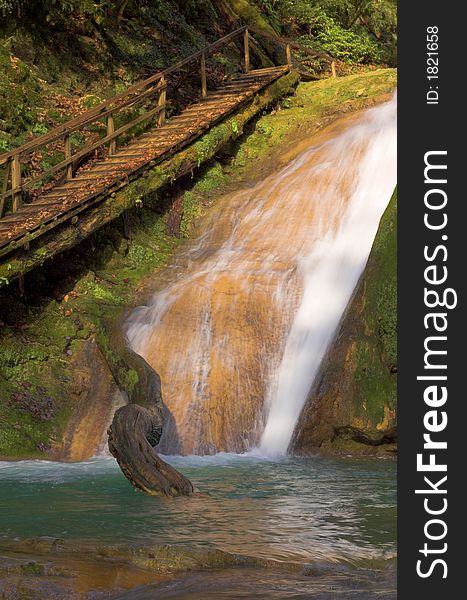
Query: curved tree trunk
x,y
137,427
130,437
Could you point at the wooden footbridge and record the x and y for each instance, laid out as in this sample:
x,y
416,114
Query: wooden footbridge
x,y
86,172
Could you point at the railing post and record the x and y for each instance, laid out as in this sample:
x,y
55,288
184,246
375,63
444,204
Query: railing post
x,y
288,54
162,101
6,179
246,47
110,131
333,69
69,168
204,85
16,181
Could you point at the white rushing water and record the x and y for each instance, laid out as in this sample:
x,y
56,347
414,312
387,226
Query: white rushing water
x,y
331,272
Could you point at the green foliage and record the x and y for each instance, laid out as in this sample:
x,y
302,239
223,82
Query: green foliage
x,y
20,96
341,43
39,128
90,100
51,9
6,7
190,7
355,31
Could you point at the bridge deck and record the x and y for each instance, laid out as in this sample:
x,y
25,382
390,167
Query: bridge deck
x,y
95,182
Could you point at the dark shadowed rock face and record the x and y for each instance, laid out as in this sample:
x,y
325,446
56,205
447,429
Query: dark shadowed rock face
x,y
352,406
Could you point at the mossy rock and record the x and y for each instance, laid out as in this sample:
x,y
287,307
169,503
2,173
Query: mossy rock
x,y
353,403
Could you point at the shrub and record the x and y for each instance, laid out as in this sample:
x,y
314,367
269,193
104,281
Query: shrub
x,y
345,44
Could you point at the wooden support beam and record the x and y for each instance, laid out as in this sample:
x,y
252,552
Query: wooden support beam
x,y
110,131
162,101
246,48
204,85
6,179
16,182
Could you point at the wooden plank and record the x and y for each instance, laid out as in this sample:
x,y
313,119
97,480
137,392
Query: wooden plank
x,y
44,203
57,194
119,157
110,132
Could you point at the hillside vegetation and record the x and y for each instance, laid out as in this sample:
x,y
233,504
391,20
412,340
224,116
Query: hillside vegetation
x,y
58,58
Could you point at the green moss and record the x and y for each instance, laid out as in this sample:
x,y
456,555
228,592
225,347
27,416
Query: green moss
x,y
250,15
381,288
211,180
191,210
376,354
33,568
375,386
33,411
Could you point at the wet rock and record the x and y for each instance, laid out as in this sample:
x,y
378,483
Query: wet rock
x,y
95,397
352,407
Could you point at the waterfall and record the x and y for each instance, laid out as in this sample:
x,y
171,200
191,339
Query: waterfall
x,y
331,271
245,315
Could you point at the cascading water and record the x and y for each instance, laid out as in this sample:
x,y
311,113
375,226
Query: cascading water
x,y
331,271
248,312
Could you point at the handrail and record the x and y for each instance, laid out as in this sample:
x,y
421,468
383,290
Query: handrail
x,y
132,95
71,126
94,113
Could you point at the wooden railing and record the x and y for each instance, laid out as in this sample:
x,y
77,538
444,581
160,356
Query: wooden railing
x,y
152,90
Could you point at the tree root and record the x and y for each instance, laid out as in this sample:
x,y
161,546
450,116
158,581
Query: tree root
x,y
131,436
